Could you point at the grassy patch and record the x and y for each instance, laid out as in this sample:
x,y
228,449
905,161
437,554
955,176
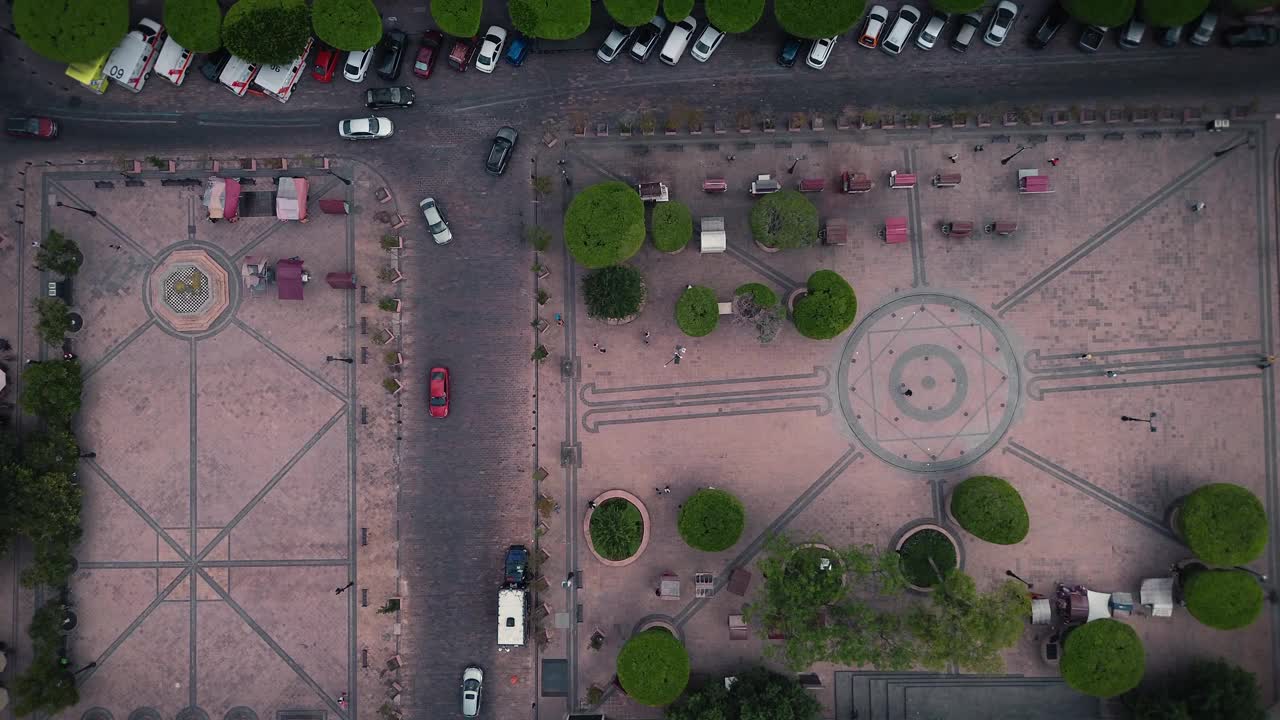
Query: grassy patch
x,y
550,19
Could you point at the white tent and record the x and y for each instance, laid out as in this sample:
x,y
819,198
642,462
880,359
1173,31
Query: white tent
x,y
1157,595
713,236
1099,605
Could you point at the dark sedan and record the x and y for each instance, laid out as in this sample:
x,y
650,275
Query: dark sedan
x,y
389,97
1049,26
1252,36
33,126
789,52
391,53
213,64
504,144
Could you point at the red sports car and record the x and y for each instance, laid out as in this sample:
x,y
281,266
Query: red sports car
x,y
325,65
438,382
427,53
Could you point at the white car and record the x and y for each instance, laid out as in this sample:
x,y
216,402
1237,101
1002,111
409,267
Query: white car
x,y
906,21
677,41
877,17
646,38
370,128
932,30
472,682
357,65
707,43
821,52
1001,22
613,44
436,223
491,49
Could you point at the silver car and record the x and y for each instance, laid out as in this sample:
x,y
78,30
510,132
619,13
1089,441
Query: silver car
x,y
614,43
472,682
1001,21
370,128
1204,29
436,221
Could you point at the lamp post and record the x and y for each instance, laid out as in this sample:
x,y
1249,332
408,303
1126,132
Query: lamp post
x,y
1148,420
1005,161
1247,141
1260,576
795,161
1014,575
331,358
90,213
345,181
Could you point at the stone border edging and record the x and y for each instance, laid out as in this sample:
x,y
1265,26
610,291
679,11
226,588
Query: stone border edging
x,y
644,517
911,528
666,622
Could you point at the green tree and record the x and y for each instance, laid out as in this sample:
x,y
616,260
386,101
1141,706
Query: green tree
x,y
459,18
59,253
697,312
734,16
632,13
551,19
671,226
1222,599
71,31
828,307
956,6
195,24
1248,6
616,528
815,19
54,320
1103,658
711,520
52,451
1105,13
756,694
677,10
47,686
784,219
1206,690
927,557
347,24
49,506
604,224
991,509
613,292
653,667
968,628
1172,13
51,564
1224,524
51,389
267,32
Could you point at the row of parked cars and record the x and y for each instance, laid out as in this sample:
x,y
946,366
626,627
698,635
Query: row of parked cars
x,y
1200,32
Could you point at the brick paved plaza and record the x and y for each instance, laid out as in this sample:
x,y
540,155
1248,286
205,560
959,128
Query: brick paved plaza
x,y
817,440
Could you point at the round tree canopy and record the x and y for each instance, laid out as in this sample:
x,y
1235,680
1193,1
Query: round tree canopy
x,y
195,24
712,520
653,667
71,31
1224,524
828,308
1172,13
551,19
459,18
697,312
677,10
1103,658
631,13
990,509
808,575
672,226
1223,599
956,6
763,295
815,19
613,292
1104,13
604,224
785,219
734,16
267,32
347,24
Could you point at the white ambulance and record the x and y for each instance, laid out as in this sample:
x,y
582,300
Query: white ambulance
x,y
173,62
132,59
278,81
237,75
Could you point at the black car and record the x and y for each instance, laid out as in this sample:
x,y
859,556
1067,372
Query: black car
x,y
1091,38
789,52
504,144
1251,36
1049,26
1169,37
390,53
515,565
389,97
213,64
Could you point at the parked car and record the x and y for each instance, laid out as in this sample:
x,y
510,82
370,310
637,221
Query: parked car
x,y
391,54
462,52
1204,29
820,52
357,65
386,98
1091,38
905,22
1169,37
969,25
1252,36
472,682
1131,36
213,64
646,38
428,52
517,51
790,51
877,17
1001,21
515,566
932,30
326,64
504,144
707,43
1049,26
440,233
438,389
31,126
370,128
678,40
491,49
614,43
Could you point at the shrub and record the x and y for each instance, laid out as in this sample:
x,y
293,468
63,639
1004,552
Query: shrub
x,y
815,19
51,389
927,557
54,322
604,224
1210,689
805,570
697,312
1105,13
459,18
59,253
614,292
538,237
267,32
784,219
1172,13
632,13
653,667
672,226
677,10
1223,599
551,19
71,31
757,693
195,24
956,6
762,295
711,520
758,305
991,509
1103,658
828,308
734,16
616,529
347,24
1224,524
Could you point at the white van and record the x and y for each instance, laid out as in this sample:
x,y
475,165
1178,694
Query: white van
x,y
132,59
278,81
237,75
173,62
678,40
511,612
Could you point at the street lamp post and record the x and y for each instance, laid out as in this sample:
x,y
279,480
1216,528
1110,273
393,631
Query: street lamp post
x,y
1005,161
1014,575
1148,420
1247,141
331,358
90,213
1260,576
345,181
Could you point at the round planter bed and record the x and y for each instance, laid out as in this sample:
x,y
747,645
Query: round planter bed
x,y
920,543
808,558
617,496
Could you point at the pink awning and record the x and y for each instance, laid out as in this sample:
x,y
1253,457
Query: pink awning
x,y
1034,184
289,279
895,230
233,199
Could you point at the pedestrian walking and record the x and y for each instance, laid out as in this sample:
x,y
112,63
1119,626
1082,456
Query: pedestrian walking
x,y
602,350
591,504
646,337
953,157
595,345
1054,161
979,148
35,243
1087,356
1266,362
1197,207
33,362
1111,373
666,490
731,158
907,392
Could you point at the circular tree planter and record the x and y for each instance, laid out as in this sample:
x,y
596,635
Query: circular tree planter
x,y
614,294
711,520
653,667
617,496
807,559
920,543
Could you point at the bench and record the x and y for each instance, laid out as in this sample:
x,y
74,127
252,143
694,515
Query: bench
x,y
714,185
944,180
812,185
901,180
855,182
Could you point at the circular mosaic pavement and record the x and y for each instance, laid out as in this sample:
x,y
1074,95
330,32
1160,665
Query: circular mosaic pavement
x,y
930,382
